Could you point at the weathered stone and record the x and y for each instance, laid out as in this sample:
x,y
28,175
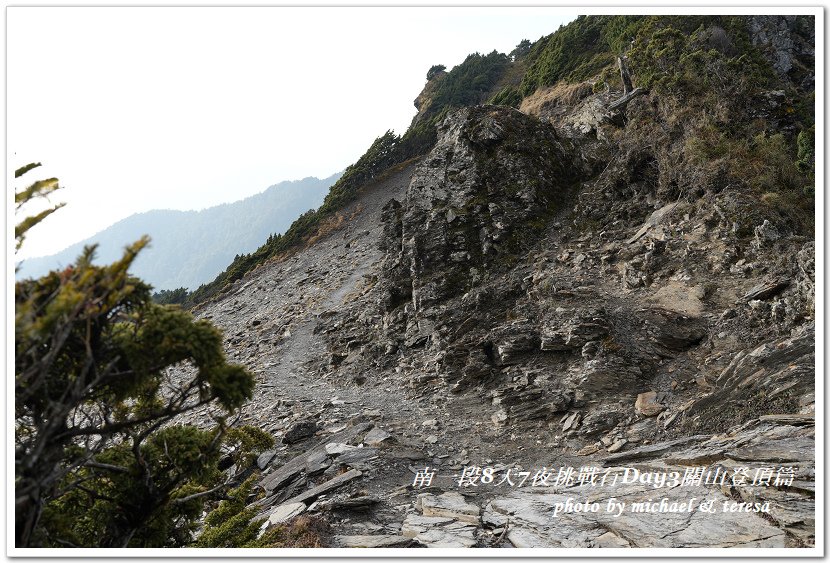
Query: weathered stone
x,y
571,421
354,503
794,419
428,238
528,402
766,290
450,505
265,458
653,220
610,540
316,462
513,348
653,450
433,531
330,485
647,404
372,541
335,448
600,420
284,474
300,431
783,451
617,445
573,332
588,450
377,437
285,512
357,457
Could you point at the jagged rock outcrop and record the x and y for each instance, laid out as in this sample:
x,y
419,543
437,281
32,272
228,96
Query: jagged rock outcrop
x,y
784,40
494,178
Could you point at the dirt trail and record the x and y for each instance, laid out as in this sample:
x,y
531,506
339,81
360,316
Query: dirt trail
x,y
269,321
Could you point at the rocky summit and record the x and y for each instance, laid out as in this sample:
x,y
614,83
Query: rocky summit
x,y
560,327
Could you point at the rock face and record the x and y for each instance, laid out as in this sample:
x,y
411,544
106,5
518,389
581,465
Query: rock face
x,y
782,40
492,177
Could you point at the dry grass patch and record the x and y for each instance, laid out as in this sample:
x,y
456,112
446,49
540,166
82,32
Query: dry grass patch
x,y
560,94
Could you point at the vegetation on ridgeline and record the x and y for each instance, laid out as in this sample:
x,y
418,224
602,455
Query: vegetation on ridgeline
x,y
688,63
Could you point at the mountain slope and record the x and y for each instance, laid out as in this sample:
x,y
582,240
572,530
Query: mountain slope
x,y
582,284
190,247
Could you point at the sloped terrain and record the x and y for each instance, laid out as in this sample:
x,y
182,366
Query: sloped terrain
x,y
544,363
548,302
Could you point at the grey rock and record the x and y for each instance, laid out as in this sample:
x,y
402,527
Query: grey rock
x,y
372,541
654,219
617,445
357,457
300,431
653,450
450,505
766,290
337,448
513,348
647,404
528,402
285,512
765,234
284,474
454,179
610,540
265,458
354,503
329,485
433,531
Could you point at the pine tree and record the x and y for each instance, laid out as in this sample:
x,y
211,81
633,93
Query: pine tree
x,y
102,458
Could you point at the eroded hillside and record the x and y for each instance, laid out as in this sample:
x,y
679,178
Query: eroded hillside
x,y
563,292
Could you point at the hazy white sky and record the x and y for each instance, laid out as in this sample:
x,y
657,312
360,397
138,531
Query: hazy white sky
x,y
183,108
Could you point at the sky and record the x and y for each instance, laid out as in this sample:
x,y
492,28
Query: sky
x,y
185,108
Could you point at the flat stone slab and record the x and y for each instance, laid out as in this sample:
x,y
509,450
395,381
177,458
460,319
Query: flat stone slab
x,y
329,485
766,290
372,541
779,451
653,450
791,419
376,437
610,540
434,531
295,466
337,448
653,220
285,512
450,505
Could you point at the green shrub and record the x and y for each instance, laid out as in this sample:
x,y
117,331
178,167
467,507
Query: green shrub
x,y
806,155
434,70
578,50
507,96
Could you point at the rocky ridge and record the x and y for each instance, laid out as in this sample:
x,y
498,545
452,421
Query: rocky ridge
x,y
533,296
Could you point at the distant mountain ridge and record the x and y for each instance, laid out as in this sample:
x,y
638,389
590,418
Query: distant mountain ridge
x,y
189,248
